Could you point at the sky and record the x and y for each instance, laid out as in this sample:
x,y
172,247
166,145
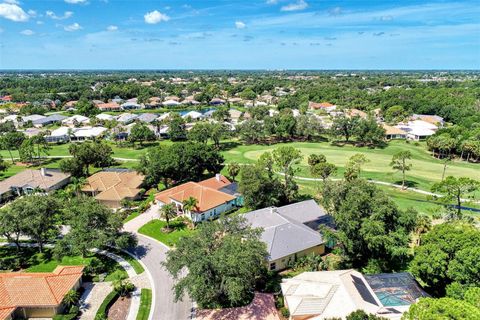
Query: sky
x,y
253,34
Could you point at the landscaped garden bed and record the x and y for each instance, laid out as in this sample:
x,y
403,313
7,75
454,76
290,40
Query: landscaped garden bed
x,y
155,229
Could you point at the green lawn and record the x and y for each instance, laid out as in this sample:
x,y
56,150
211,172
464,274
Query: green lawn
x,y
425,169
133,262
33,261
145,304
154,229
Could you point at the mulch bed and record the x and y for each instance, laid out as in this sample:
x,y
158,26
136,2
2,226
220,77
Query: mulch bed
x,y
119,309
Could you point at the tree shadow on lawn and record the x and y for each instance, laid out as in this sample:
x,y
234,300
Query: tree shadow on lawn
x,y
408,183
224,146
140,251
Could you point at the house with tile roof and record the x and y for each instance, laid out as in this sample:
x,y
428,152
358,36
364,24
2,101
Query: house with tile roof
x,y
214,196
28,181
26,295
290,232
328,107
336,294
113,186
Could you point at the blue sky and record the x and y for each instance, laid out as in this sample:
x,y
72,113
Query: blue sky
x,y
254,34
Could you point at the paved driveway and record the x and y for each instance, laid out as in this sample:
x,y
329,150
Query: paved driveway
x,y
152,253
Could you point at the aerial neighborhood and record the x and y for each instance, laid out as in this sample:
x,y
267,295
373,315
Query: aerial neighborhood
x,y
262,195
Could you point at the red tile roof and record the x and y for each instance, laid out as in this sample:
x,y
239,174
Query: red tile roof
x,y
36,289
206,192
322,105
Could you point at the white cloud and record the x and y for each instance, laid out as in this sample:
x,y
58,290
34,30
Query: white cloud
x,y
32,13
76,1
297,6
386,18
272,1
12,1
240,25
155,17
13,12
335,11
39,22
66,15
112,28
27,32
1,30
72,27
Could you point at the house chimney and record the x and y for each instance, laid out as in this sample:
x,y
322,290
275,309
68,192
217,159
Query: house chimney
x,y
218,176
43,172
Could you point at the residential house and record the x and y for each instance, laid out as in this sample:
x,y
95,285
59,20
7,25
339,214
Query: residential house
x,y
336,294
88,133
32,118
29,181
113,186
76,120
126,118
418,129
356,113
190,100
432,119
28,295
214,196
31,132
326,106
217,102
130,106
109,106
53,119
393,132
194,115
147,117
171,103
290,232
105,117
154,102
70,104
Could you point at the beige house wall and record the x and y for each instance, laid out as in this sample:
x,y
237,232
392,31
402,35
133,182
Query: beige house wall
x,y
283,262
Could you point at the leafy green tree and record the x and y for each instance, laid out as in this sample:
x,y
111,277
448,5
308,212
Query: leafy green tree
x,y
454,189
259,188
3,164
221,114
362,315
323,170
372,232
233,169
307,127
314,159
41,144
92,225
446,255
26,151
176,127
395,114
354,165
259,112
251,131
181,161
399,162
97,154
86,108
443,308
40,217
223,260
369,132
12,141
248,94
123,287
343,126
285,158
200,132
13,224
141,133
218,131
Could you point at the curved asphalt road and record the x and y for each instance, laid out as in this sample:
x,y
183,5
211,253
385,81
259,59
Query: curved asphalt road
x,y
152,252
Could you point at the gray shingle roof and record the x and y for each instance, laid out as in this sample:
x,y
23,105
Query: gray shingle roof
x,y
284,231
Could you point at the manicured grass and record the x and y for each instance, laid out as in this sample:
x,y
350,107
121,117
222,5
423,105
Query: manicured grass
x,y
33,261
106,304
145,304
135,264
154,229
425,171
132,216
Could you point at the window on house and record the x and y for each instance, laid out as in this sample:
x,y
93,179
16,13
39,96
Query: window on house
x,y
273,266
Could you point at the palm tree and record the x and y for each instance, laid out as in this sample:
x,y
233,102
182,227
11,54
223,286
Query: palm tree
x,y
190,204
167,212
423,225
75,186
71,298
